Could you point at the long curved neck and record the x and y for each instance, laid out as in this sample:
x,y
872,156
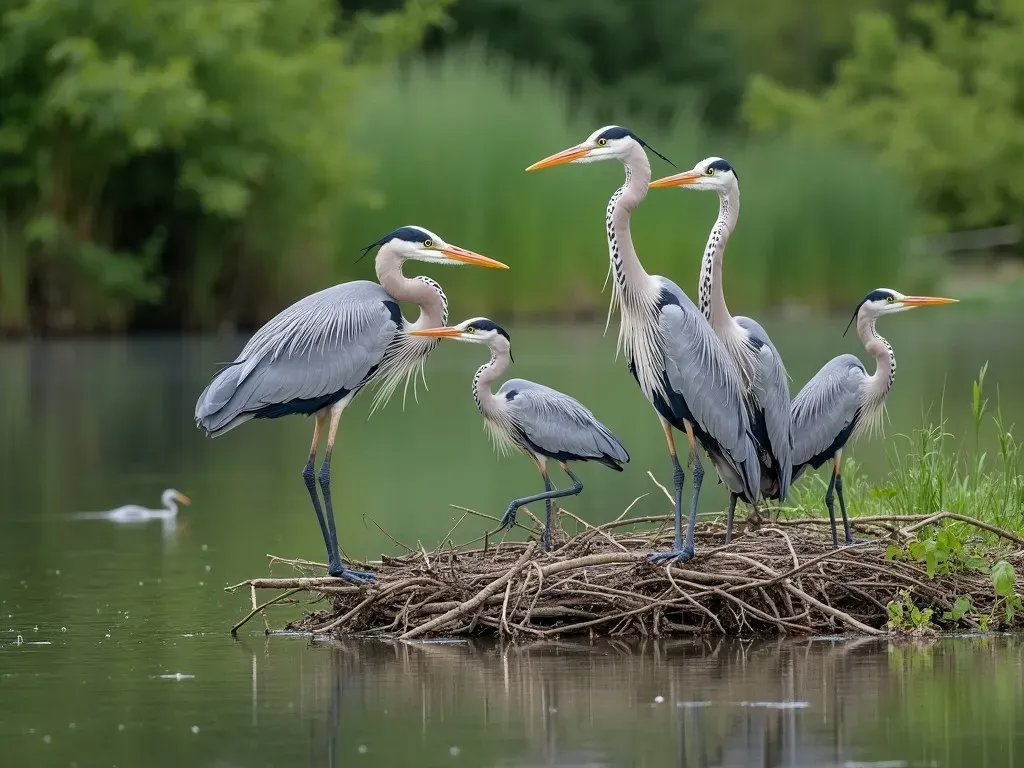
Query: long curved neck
x,y
422,291
711,295
880,382
629,272
485,377
170,505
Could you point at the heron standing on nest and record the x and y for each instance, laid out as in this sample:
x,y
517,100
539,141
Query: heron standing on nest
x,y
682,367
764,380
319,353
843,400
541,422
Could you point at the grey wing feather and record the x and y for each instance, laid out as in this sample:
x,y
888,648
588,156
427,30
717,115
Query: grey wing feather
x,y
826,405
700,369
327,342
771,389
558,424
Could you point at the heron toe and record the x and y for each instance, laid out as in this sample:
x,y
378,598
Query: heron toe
x,y
508,520
356,577
681,555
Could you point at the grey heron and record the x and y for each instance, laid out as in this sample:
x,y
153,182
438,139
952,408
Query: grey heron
x,y
843,401
315,356
540,421
682,367
765,382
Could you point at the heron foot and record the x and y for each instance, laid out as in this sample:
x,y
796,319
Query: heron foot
x,y
854,540
508,520
682,555
350,574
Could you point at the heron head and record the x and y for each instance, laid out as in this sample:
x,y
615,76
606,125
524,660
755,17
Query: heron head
x,y
478,330
412,242
177,496
886,301
613,142
711,173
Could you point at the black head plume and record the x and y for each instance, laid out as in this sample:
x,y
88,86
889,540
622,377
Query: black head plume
x,y
876,295
618,132
412,234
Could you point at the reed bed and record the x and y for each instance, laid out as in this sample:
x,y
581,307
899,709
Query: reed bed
x,y
782,577
451,137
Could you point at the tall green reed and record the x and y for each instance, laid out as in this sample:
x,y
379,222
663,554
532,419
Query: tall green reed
x,y
451,138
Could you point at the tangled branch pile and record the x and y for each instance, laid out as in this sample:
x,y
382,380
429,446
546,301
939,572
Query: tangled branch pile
x,y
781,578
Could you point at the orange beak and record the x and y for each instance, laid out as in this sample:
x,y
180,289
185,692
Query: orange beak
x,y
676,180
565,156
183,499
439,333
469,257
926,301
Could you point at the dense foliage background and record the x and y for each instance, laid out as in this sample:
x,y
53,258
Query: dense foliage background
x,y
191,164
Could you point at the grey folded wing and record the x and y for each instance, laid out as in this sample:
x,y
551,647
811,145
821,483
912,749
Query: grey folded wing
x,y
323,346
558,424
826,406
771,391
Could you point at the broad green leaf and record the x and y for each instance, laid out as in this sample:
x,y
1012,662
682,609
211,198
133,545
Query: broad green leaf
x,y
1002,577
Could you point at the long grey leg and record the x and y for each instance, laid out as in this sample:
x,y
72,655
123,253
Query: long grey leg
x,y
698,477
842,508
679,552
309,477
335,568
509,518
831,510
728,520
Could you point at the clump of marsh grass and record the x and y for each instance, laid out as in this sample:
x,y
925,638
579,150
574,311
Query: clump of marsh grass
x,y
931,472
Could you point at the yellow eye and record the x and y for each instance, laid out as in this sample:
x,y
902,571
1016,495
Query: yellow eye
x,y
709,171
428,243
890,299
602,142
471,329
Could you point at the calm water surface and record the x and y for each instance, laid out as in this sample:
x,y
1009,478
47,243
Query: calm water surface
x,y
124,658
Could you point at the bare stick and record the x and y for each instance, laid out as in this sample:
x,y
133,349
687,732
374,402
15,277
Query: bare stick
x,y
472,604
258,608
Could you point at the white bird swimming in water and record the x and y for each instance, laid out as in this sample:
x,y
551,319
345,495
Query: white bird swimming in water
x,y
130,513
134,513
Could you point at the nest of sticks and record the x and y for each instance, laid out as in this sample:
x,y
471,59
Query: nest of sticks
x,y
781,577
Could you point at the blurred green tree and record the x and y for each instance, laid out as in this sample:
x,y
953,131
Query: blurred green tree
x,y
939,98
643,59
184,149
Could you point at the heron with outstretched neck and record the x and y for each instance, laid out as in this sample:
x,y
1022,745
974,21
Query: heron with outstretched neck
x,y
843,401
682,367
540,421
764,380
315,356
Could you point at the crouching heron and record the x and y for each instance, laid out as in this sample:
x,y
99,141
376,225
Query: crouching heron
x,y
319,353
541,422
843,400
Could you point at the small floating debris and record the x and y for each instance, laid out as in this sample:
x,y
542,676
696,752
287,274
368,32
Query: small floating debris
x,y
659,699
453,751
776,704
176,676
362,749
195,729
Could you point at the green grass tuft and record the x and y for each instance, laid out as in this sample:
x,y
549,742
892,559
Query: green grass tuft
x,y
930,472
